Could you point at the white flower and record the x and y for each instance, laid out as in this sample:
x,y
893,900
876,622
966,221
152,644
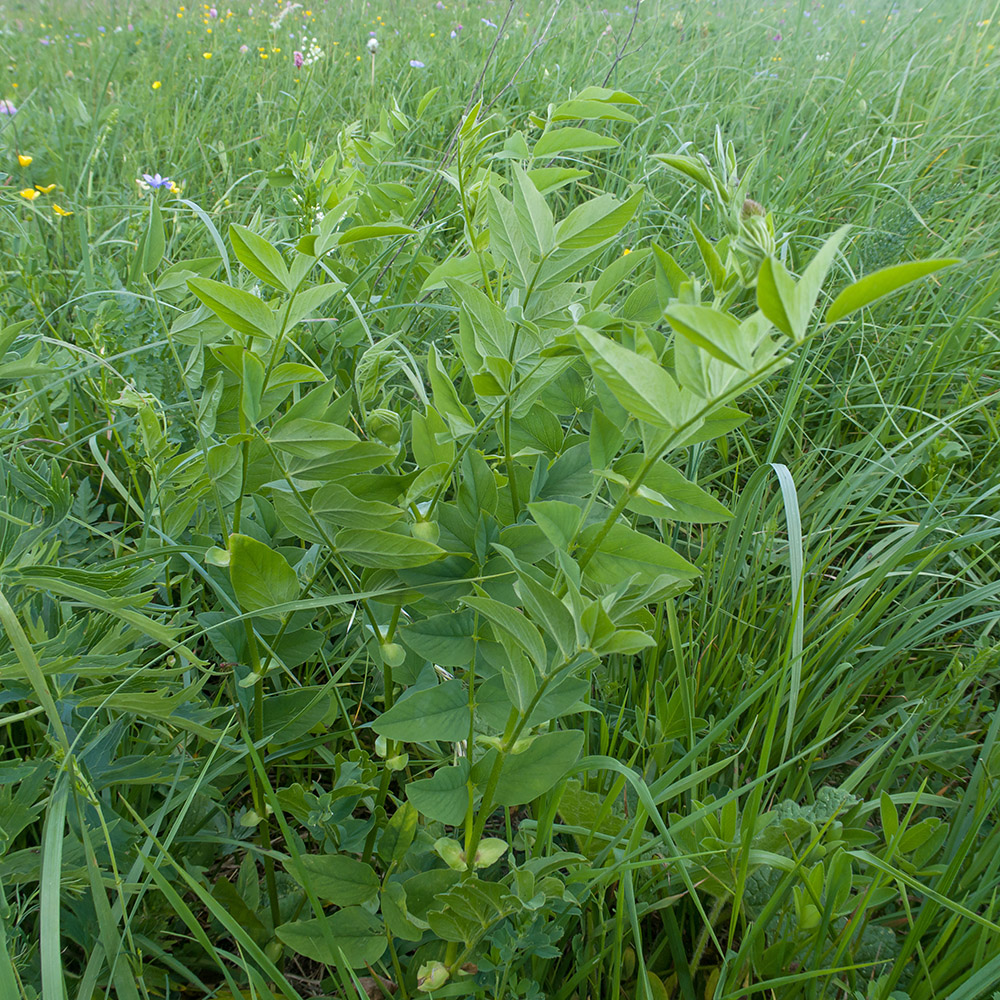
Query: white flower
x,y
311,51
289,7
373,45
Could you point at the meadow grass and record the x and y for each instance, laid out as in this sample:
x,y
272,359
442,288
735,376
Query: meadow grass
x,y
779,777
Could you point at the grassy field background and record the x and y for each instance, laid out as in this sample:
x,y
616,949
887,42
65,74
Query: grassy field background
x,y
775,775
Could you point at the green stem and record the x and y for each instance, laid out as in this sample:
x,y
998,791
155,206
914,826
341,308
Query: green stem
x,y
621,504
699,950
464,447
515,500
256,787
676,435
390,746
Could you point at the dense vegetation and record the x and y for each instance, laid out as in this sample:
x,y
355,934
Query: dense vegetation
x,y
499,500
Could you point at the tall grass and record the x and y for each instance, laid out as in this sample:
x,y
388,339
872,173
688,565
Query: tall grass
x,y
791,792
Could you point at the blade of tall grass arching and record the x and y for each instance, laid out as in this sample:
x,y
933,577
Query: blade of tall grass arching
x,y
243,941
111,948
50,901
966,862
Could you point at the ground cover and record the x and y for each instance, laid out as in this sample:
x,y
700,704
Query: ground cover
x,y
499,500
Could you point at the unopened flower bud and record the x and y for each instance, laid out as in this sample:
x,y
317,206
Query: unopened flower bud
x,y
385,425
432,976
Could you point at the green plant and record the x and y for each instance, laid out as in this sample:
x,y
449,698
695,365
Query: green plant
x,y
396,598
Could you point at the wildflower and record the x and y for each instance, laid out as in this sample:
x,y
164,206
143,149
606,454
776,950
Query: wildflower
x,y
487,22
207,55
7,108
289,7
154,181
212,12
312,51
373,45
416,64
298,58
244,49
47,189
59,210
30,194
626,252
157,85
24,159
174,187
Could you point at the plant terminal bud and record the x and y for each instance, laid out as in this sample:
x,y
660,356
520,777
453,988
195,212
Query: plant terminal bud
x,y
426,531
393,654
385,425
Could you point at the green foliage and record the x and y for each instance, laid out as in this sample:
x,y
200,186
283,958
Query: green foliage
x,y
485,552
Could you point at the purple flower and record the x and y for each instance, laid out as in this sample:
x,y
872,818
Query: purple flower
x,y
7,108
777,37
487,22
416,64
298,59
439,5
244,49
156,181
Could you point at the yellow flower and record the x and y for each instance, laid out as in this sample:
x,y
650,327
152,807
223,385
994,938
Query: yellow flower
x,y
48,189
29,193
157,84
207,55
626,252
59,210
24,159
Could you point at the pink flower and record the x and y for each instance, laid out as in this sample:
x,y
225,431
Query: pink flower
x,y
7,108
244,49
212,12
298,59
